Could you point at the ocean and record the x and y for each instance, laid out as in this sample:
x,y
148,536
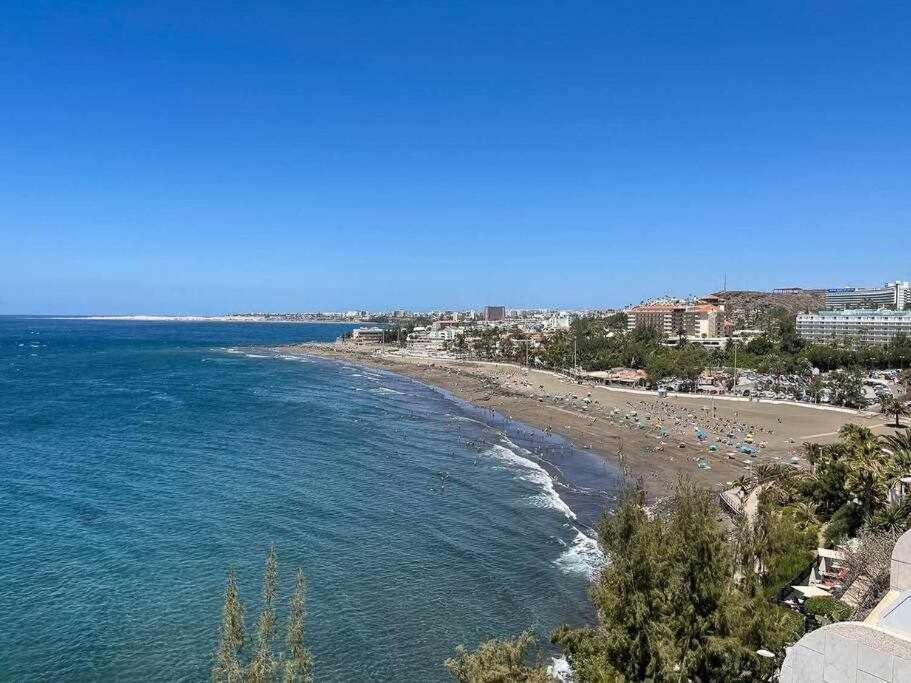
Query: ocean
x,y
140,460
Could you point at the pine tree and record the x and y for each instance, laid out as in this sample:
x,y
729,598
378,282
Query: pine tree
x,y
669,604
262,657
299,665
498,661
227,658
235,664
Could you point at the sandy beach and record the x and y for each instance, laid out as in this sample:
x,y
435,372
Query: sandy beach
x,y
655,439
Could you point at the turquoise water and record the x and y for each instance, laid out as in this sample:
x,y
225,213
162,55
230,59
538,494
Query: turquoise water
x,y
139,460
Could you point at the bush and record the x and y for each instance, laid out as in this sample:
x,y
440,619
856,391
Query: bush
x,y
826,609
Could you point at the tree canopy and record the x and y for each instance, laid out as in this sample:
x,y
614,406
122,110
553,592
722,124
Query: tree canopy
x,y
238,660
669,605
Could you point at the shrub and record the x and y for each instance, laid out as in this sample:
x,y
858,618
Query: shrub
x,y
826,609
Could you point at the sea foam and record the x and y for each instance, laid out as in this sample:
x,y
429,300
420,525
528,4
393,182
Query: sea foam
x,y
536,474
582,556
560,670
387,390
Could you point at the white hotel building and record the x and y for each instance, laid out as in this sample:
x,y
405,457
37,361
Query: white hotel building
x,y
895,295
863,326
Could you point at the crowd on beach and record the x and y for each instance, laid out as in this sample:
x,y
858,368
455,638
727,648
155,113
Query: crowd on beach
x,y
707,433
655,436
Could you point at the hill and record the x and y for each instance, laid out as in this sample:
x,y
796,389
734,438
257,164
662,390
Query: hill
x,y
753,309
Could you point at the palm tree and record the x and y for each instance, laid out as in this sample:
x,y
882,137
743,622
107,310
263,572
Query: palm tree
x,y
900,441
774,472
805,516
899,447
745,483
892,405
870,471
893,517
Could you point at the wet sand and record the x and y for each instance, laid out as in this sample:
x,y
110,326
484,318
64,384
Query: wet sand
x,y
637,430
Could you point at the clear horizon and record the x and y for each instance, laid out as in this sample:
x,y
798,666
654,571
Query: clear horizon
x,y
209,159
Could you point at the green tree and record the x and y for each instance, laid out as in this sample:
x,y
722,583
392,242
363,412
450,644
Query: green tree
x,y
870,470
234,664
893,517
777,365
815,387
265,629
498,661
899,448
231,640
784,543
669,607
846,388
892,405
298,665
826,610
617,322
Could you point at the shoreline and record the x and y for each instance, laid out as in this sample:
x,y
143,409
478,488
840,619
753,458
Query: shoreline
x,y
188,319
635,432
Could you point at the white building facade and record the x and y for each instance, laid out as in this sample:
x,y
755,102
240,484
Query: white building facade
x,y
895,295
863,327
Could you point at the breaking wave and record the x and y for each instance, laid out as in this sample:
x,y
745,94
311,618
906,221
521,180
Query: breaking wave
x,y
582,556
536,474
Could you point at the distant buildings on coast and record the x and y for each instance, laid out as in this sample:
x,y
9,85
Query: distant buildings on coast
x,y
700,319
855,316
494,313
863,327
892,295
843,315
860,315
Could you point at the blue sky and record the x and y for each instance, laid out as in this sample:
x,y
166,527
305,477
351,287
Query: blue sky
x,y
201,157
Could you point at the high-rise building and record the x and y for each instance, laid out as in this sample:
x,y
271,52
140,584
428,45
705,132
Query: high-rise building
x,y
895,295
667,318
861,327
701,319
494,313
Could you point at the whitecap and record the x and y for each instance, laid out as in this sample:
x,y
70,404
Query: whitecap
x,y
560,670
582,556
386,390
537,475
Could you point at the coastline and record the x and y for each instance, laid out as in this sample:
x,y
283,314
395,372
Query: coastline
x,y
634,431
194,319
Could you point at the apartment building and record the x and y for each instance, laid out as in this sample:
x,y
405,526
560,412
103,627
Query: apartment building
x,y
703,320
862,326
667,318
367,335
671,318
494,313
894,295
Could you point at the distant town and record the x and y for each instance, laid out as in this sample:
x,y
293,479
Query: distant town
x,y
846,346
